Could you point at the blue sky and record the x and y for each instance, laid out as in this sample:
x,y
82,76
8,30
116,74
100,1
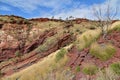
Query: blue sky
x,y
49,8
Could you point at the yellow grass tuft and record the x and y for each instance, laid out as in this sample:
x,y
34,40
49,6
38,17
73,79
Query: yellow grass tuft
x,y
102,51
87,38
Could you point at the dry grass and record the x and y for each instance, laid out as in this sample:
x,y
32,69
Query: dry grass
x,y
89,69
107,74
116,28
40,69
87,38
47,25
102,51
115,67
115,25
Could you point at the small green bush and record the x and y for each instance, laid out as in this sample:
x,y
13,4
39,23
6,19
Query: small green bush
x,y
77,30
41,48
26,21
17,54
48,43
0,73
116,67
103,51
60,54
77,68
90,69
92,27
1,19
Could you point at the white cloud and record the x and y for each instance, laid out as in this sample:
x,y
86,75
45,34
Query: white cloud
x,y
82,13
59,8
85,11
31,5
5,8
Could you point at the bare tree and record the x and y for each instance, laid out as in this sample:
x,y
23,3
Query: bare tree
x,y
105,16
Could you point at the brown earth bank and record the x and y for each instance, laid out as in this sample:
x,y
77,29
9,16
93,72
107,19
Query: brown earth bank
x,y
79,58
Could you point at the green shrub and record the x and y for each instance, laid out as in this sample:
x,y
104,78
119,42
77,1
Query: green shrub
x,y
1,73
92,27
1,20
77,30
17,54
19,21
60,54
103,51
116,67
41,48
87,42
48,43
107,74
90,69
77,68
26,21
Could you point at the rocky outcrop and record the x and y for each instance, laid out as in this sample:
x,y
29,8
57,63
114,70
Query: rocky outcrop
x,y
77,57
35,56
40,40
7,52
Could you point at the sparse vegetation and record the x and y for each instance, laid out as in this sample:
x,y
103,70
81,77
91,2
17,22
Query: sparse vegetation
x,y
107,74
60,54
116,67
25,21
77,68
17,54
50,42
102,51
1,73
86,39
89,69
116,28
92,27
